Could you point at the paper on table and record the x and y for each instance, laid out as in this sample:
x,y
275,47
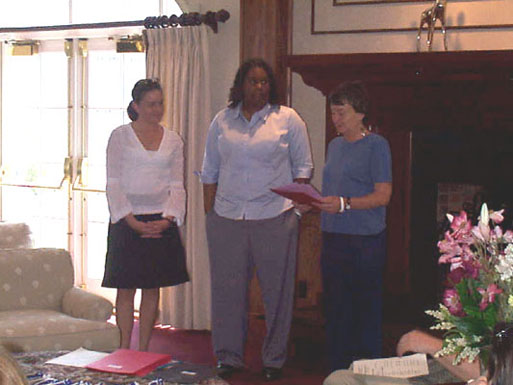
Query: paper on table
x,y
400,367
80,358
298,192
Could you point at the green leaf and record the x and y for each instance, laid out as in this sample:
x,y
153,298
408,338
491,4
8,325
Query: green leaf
x,y
490,315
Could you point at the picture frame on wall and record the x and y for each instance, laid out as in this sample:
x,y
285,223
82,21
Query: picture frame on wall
x,y
363,2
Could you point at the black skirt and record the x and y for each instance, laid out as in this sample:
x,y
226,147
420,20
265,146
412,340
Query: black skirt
x,y
145,263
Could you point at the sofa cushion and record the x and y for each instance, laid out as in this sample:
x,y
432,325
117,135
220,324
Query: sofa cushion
x,y
34,278
35,330
14,235
79,303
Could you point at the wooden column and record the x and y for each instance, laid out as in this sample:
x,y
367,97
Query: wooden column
x,y
265,33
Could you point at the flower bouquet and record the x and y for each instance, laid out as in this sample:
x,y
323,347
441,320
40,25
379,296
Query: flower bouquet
x,y
480,284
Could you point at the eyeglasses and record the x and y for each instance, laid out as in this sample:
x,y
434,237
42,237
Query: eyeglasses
x,y
504,333
255,82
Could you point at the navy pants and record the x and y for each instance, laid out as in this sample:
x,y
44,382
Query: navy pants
x,y
352,270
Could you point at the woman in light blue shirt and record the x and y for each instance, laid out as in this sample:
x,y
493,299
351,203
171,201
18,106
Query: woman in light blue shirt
x,y
253,145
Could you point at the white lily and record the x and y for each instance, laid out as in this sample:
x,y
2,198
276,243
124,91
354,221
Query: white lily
x,y
484,218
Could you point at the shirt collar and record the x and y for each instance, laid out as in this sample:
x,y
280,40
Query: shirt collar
x,y
262,114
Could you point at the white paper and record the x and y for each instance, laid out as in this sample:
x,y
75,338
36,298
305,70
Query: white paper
x,y
399,367
80,358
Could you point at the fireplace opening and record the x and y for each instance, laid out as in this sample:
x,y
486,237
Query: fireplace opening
x,y
452,170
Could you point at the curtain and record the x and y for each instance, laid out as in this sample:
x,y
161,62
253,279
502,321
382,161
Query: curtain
x,y
179,58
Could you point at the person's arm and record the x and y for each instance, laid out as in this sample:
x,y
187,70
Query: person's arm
x,y
209,196
210,167
478,381
379,197
417,341
176,201
118,203
299,149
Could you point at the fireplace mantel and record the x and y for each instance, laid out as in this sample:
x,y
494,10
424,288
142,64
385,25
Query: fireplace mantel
x,y
324,71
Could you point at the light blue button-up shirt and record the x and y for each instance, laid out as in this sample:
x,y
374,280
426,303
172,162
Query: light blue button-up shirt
x,y
247,159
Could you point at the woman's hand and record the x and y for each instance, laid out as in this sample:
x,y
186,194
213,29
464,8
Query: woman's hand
x,y
329,204
144,229
151,229
157,227
478,381
302,208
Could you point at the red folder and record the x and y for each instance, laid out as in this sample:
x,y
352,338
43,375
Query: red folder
x,y
299,192
131,362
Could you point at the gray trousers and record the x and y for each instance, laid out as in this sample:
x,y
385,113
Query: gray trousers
x,y
236,249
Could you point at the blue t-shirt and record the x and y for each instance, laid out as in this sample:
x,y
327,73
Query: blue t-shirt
x,y
351,170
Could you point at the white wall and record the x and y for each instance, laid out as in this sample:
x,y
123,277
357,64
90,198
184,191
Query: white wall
x,y
311,104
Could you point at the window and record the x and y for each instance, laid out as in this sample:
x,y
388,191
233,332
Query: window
x,y
26,13
58,108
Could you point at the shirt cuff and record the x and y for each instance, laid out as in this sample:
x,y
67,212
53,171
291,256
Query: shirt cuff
x,y
305,172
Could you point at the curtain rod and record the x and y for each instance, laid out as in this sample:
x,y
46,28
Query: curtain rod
x,y
188,19
185,19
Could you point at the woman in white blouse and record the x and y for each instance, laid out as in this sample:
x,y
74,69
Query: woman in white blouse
x,y
146,201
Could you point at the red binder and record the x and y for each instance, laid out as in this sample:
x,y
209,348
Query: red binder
x,y
299,192
130,362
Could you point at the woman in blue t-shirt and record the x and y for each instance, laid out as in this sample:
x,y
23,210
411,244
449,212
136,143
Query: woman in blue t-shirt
x,y
357,185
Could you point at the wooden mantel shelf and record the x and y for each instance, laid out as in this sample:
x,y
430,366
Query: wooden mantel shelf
x,y
322,71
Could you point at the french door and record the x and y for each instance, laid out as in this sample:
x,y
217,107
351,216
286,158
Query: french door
x,y
60,102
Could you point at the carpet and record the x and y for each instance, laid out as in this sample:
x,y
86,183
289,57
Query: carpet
x,y
33,365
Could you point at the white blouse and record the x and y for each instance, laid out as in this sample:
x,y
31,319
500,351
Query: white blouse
x,y
145,182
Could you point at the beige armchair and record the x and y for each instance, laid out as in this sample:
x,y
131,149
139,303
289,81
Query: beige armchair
x,y
40,309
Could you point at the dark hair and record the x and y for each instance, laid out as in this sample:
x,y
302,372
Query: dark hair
x,y
237,92
140,89
353,92
500,362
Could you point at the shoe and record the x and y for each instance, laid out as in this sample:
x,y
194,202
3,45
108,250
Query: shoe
x,y
225,370
271,374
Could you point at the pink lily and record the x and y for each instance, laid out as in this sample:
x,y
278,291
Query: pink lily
x,y
456,275
496,216
451,299
461,227
481,232
497,232
449,249
488,295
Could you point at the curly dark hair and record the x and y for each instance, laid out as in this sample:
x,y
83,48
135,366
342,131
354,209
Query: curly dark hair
x,y
500,362
141,87
353,92
237,92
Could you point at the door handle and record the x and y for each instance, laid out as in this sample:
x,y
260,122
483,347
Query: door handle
x,y
68,167
80,179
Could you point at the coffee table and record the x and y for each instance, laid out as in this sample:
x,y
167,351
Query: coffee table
x,y
34,362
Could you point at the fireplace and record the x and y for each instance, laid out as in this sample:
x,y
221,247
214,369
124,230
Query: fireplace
x,y
448,117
